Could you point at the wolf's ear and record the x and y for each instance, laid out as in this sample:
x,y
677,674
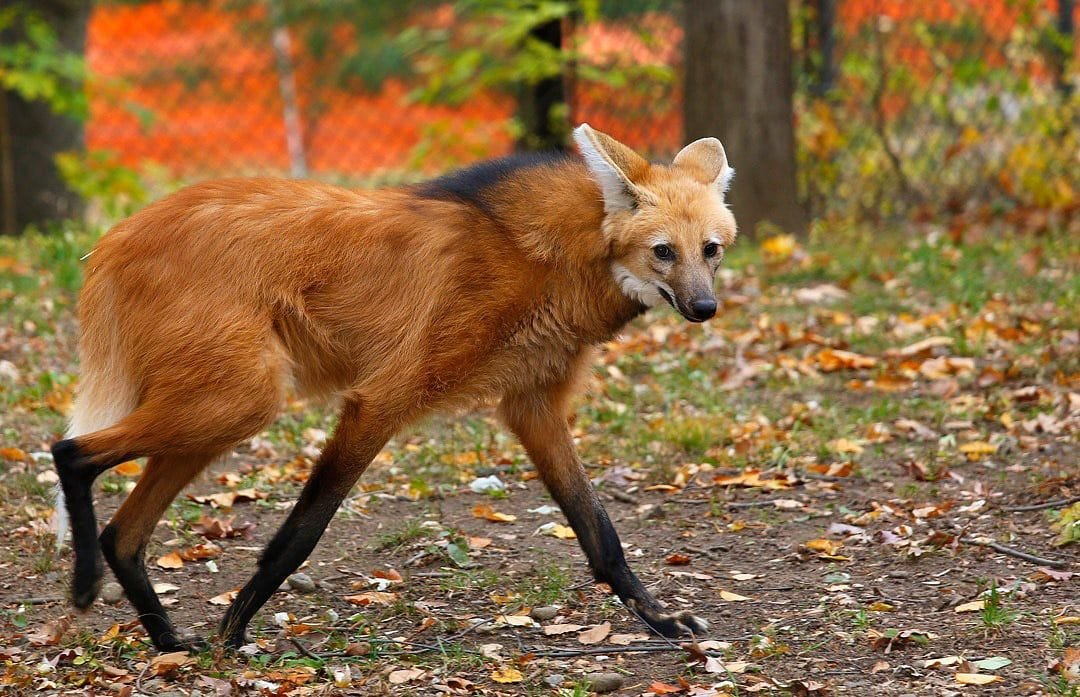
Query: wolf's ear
x,y
614,166
708,161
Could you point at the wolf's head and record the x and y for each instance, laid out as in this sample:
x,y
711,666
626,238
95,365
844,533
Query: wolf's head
x,y
667,226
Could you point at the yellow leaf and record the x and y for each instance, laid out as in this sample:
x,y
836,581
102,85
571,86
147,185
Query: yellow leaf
x,y
880,606
973,606
131,468
976,449
976,678
1071,619
825,546
558,530
171,560
507,674
753,478
485,511
779,247
844,445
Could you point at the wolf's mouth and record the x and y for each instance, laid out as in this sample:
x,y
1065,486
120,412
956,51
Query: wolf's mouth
x,y
671,301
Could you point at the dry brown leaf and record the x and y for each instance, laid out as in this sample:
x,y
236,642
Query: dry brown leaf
x,y
166,663
372,598
557,629
225,598
400,677
485,511
172,560
595,635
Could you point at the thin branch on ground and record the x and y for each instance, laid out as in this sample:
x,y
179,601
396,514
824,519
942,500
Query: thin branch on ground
x,y
1009,551
1060,503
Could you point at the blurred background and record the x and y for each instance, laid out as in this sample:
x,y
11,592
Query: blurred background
x,y
830,109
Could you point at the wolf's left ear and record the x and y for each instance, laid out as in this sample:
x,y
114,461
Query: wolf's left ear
x,y
708,161
614,166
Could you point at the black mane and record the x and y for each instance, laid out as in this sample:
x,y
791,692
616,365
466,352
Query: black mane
x,y
474,183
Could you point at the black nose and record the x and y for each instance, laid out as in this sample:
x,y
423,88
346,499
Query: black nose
x,y
703,308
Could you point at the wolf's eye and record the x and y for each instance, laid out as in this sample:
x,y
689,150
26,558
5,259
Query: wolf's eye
x,y
711,249
663,252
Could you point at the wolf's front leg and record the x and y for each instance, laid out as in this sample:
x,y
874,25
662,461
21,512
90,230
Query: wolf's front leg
x,y
539,421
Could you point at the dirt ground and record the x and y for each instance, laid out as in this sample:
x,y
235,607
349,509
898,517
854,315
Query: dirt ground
x,y
822,495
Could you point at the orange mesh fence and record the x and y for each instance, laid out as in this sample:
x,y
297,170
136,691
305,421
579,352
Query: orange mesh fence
x,y
199,89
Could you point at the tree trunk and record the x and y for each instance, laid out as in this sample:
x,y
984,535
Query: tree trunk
x,y
739,87
538,102
33,134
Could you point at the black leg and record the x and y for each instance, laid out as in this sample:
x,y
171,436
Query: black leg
x,y
130,571
345,458
77,474
545,435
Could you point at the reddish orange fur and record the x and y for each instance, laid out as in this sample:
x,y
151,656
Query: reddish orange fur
x,y
202,311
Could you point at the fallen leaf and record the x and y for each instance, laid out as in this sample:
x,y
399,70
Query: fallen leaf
x,y
973,606
595,635
372,598
50,633
485,511
753,478
172,560
992,663
225,598
976,450
507,674
166,663
825,546
558,530
131,468
557,629
400,677
14,454
677,559
976,678
732,597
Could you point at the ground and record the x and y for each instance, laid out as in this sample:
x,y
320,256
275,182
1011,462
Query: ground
x,y
818,472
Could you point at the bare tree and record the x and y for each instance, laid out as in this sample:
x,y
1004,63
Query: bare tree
x,y
739,87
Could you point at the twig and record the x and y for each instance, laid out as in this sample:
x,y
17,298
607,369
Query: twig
x,y
1009,551
303,649
44,600
1061,503
620,495
750,504
651,647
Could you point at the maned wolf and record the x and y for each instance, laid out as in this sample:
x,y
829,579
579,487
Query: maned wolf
x,y
489,285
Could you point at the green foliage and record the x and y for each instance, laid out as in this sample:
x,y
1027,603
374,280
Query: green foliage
x,y
99,176
37,67
961,121
1068,525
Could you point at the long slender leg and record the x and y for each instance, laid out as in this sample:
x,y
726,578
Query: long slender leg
x,y
359,437
123,541
78,470
539,421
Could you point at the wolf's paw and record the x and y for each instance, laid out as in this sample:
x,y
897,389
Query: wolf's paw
x,y
168,642
671,625
86,583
